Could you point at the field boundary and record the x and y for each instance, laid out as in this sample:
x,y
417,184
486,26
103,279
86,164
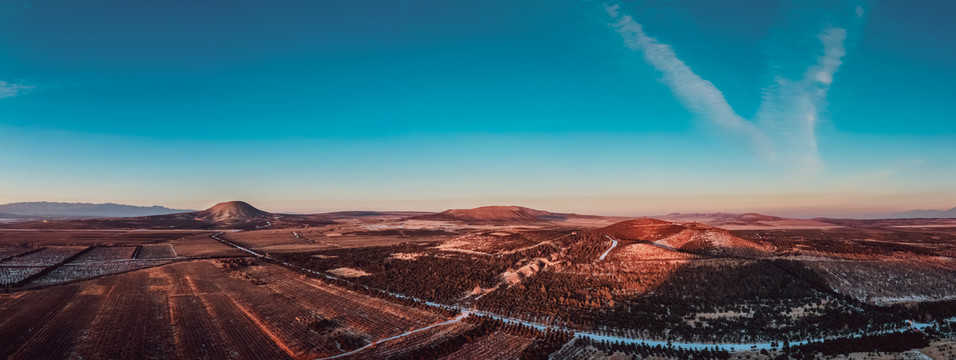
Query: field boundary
x,y
25,253
50,268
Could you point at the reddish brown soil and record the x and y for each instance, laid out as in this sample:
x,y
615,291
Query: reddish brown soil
x,y
75,237
193,310
204,246
642,229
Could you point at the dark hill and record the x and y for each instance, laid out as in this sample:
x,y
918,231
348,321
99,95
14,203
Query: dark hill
x,y
232,211
494,214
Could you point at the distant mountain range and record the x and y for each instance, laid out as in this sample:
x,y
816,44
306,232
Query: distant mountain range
x,y
240,212
734,219
43,209
951,213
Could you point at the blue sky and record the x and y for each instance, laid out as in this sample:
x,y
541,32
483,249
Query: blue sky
x,y
633,108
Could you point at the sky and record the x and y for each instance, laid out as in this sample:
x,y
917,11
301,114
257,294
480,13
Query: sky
x,y
794,108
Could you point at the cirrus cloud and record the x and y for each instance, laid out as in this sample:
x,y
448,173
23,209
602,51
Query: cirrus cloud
x,y
11,90
784,126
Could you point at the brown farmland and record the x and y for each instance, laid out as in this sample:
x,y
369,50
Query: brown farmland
x,y
404,285
194,310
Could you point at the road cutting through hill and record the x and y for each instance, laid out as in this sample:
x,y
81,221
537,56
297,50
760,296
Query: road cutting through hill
x,y
608,251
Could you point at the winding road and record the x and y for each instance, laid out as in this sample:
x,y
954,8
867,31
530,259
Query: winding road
x,y
608,251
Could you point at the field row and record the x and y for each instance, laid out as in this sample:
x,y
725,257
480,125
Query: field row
x,y
57,264
45,257
90,237
198,310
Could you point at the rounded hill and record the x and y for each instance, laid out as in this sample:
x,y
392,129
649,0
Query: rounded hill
x,y
231,211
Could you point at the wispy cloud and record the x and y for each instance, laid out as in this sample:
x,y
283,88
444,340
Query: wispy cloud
x,y
11,90
790,109
697,94
785,125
